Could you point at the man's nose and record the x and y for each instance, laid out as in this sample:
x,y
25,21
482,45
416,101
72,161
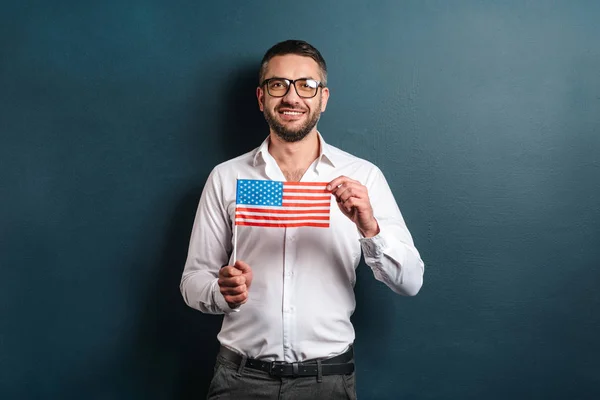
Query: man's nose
x,y
292,96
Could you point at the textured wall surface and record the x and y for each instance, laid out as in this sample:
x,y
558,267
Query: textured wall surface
x,y
483,115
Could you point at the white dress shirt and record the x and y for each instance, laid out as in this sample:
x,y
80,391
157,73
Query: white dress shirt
x,y
302,294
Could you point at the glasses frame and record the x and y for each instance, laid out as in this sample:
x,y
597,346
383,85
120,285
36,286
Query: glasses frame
x,y
291,83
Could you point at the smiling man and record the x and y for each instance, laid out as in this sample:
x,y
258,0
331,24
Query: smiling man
x,y
291,120
288,296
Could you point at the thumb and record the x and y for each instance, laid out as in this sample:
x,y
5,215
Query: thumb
x,y
242,266
246,271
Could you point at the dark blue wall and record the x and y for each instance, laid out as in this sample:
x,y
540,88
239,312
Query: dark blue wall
x,y
484,116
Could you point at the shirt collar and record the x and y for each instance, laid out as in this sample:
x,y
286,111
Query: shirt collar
x,y
325,154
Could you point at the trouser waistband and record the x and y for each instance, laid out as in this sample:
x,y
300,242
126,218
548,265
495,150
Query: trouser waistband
x,y
339,365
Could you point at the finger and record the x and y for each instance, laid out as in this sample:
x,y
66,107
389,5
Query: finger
x,y
233,291
232,282
242,266
345,207
237,299
354,203
346,192
229,272
351,203
349,184
340,180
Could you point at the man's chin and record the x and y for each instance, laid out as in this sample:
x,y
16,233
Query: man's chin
x,y
291,136
291,131
292,124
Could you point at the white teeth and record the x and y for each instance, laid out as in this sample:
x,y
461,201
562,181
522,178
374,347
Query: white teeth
x,y
291,113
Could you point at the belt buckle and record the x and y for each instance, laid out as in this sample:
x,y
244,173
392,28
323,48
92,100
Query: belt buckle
x,y
277,368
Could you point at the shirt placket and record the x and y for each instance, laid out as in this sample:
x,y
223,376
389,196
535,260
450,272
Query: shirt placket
x,y
290,315
289,310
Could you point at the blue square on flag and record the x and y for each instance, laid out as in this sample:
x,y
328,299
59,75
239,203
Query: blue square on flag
x,y
259,192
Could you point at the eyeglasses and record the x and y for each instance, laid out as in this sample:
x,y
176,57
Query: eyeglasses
x,y
305,88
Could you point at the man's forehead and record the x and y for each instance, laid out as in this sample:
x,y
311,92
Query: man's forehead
x,y
293,64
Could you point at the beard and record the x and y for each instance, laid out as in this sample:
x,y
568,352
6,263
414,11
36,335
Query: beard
x,y
292,135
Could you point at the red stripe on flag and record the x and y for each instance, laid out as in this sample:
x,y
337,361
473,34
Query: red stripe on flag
x,y
278,218
304,184
286,190
319,198
284,204
274,211
285,225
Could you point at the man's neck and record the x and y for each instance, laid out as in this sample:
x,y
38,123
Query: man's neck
x,y
294,158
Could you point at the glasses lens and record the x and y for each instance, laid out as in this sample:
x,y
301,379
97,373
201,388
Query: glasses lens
x,y
307,87
277,87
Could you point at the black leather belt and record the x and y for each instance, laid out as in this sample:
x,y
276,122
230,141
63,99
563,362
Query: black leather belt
x,y
338,365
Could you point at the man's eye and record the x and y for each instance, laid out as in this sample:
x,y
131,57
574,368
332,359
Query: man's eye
x,y
276,85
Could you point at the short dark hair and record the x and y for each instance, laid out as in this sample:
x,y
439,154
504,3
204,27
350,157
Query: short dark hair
x,y
298,47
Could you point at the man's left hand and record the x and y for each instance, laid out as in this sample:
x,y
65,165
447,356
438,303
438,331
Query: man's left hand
x,y
353,199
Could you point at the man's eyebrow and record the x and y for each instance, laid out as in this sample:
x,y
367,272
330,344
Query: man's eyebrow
x,y
304,77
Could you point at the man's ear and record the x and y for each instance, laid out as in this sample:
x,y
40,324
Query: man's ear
x,y
324,98
260,96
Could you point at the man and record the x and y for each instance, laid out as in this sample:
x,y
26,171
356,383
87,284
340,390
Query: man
x,y
288,296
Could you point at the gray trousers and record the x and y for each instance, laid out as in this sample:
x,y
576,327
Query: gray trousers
x,y
232,382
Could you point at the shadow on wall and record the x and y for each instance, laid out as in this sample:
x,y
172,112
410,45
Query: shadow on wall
x,y
172,334
244,126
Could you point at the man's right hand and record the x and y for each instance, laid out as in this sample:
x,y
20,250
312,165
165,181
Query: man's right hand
x,y
234,282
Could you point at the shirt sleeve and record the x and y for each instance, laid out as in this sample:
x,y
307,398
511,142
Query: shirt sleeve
x,y
391,254
209,250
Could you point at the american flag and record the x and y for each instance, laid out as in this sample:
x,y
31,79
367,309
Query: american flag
x,y
282,204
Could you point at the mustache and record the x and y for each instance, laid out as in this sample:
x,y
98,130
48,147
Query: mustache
x,y
290,106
